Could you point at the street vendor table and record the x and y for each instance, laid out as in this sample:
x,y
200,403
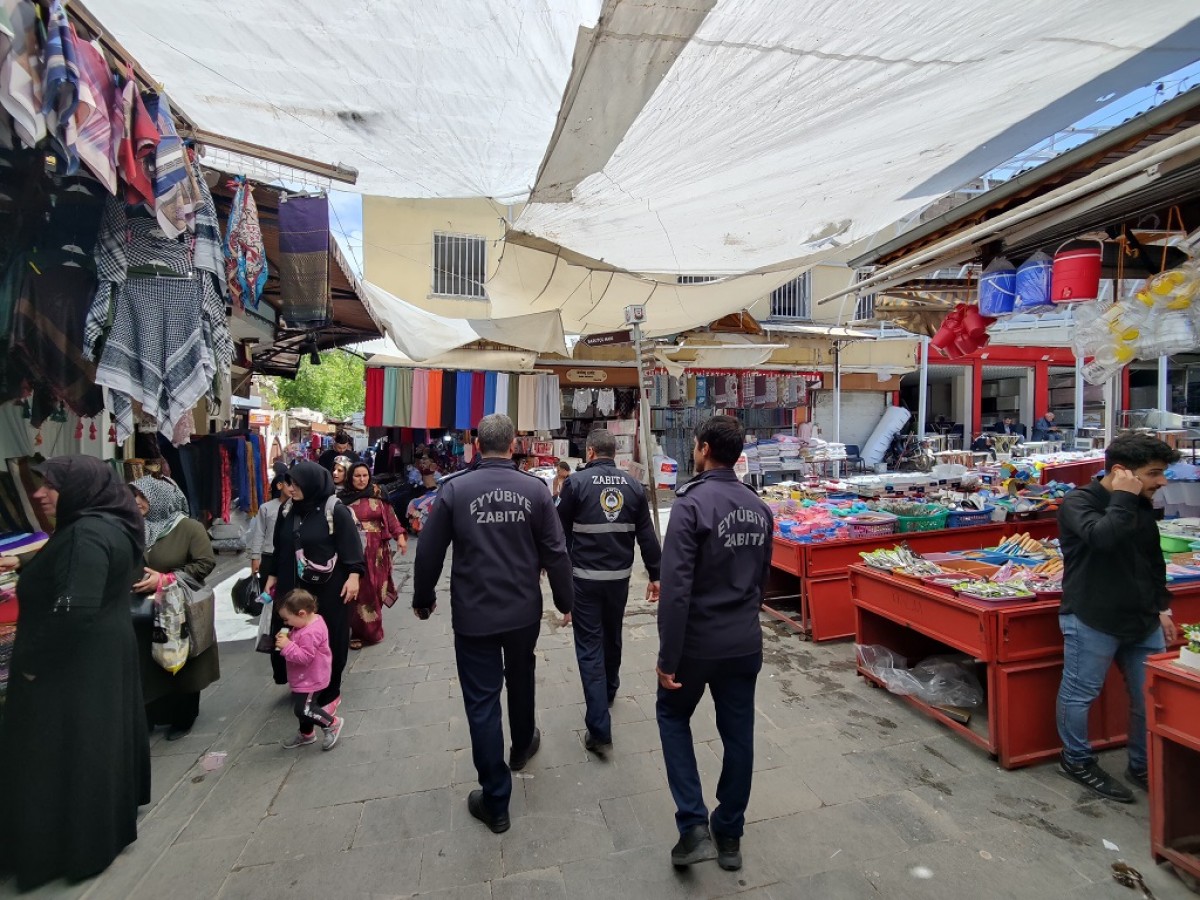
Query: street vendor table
x,y
1173,719
1078,473
823,587
1017,644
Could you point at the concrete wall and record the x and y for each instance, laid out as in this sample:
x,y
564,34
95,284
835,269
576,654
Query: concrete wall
x,y
398,246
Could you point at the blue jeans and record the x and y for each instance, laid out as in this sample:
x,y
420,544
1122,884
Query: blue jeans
x,y
731,682
1087,656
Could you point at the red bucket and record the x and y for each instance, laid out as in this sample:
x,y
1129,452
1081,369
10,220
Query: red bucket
x,y
1076,273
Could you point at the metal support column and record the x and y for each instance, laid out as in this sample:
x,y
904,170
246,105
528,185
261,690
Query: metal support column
x,y
923,391
1164,385
837,403
644,427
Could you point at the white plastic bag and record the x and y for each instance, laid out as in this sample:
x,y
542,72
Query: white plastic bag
x,y
170,645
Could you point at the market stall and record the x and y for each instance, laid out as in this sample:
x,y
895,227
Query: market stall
x,y
1016,647
1173,720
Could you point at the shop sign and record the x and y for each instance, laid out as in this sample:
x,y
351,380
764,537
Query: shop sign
x,y
587,376
607,338
260,418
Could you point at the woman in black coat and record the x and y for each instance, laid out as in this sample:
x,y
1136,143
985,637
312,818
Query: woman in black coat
x,y
74,750
303,526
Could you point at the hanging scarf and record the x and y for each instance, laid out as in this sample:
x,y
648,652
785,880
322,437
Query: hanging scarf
x,y
245,255
60,91
138,144
95,135
168,507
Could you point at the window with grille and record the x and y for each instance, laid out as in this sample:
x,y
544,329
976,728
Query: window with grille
x,y
794,299
459,265
696,279
864,309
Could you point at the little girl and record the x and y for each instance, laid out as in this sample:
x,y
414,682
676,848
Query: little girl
x,y
305,647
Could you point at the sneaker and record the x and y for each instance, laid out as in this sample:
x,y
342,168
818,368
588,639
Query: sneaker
x,y
497,823
517,763
1137,779
332,708
299,740
695,845
729,852
332,733
1095,779
595,745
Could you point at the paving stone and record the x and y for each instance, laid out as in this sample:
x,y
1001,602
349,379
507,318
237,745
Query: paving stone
x,y
295,835
242,796
779,792
431,690
647,872
458,858
381,871
408,715
641,820
536,842
540,884
193,870
403,818
307,788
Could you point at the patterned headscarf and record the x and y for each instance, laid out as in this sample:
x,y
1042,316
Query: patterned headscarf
x,y
168,507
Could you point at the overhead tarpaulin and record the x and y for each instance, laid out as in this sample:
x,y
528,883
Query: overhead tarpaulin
x,y
383,352
782,132
449,99
533,275
421,335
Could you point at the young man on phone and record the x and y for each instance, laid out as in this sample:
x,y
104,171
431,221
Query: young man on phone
x,y
1115,603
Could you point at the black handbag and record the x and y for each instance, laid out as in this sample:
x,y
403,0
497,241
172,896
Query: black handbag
x,y
141,608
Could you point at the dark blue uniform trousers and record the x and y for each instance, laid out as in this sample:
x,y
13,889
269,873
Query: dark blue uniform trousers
x,y
597,618
485,664
731,682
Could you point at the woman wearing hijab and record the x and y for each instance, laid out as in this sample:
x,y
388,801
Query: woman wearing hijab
x,y
317,548
174,544
341,467
74,752
378,523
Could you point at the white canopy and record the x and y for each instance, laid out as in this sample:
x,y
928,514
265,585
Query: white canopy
x,y
383,352
421,335
454,98
784,131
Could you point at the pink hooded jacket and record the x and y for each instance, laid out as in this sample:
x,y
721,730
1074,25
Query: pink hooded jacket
x,y
309,659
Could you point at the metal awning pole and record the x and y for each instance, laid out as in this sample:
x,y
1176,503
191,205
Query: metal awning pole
x,y
644,427
1078,397
1164,384
923,391
837,402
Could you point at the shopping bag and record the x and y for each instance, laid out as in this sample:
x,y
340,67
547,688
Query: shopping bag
x,y
170,645
201,614
264,644
246,593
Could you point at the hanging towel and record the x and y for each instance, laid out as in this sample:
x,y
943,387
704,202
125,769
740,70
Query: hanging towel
x,y
138,145
173,187
501,404
433,414
60,89
388,414
304,261
420,399
449,400
489,392
462,403
21,84
549,403
527,403
514,396
373,407
402,415
478,396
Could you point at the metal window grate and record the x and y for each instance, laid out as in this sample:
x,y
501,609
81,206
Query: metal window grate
x,y
696,279
794,299
864,309
459,265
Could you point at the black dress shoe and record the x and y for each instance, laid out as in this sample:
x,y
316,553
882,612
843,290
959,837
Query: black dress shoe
x,y
695,845
595,745
175,734
729,852
517,763
498,824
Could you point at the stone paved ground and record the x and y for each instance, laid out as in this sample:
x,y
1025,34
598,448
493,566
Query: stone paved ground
x,y
855,796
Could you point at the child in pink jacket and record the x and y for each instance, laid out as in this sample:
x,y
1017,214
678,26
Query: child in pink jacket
x,y
304,645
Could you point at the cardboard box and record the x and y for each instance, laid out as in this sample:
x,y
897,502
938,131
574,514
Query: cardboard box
x,y
636,469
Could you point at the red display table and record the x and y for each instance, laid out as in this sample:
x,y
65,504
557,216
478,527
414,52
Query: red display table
x,y
1173,720
823,588
1018,645
1076,473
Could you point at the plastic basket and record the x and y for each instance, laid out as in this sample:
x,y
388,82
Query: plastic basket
x,y
877,525
963,518
1172,544
935,522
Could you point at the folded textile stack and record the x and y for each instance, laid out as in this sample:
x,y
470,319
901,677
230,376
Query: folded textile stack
x,y
753,460
768,456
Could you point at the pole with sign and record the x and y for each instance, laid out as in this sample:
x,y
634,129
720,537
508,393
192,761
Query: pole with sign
x,y
634,316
